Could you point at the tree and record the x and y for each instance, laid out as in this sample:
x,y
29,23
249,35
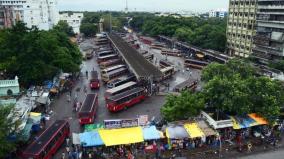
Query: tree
x,y
279,65
35,56
7,128
182,107
63,26
233,88
88,29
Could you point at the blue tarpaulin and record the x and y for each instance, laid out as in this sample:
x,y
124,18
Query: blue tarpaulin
x,y
91,138
48,84
151,133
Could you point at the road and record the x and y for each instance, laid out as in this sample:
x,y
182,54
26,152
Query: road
x,y
62,109
278,154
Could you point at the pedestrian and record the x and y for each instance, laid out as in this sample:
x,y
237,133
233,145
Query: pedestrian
x,y
70,92
43,120
87,74
63,155
85,90
67,141
68,98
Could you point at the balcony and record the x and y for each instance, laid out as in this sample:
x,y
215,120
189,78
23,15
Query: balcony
x,y
269,50
270,6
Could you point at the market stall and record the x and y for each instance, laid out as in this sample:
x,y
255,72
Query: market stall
x,y
90,139
193,130
151,133
121,136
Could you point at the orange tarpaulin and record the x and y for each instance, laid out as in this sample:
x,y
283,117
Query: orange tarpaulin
x,y
258,119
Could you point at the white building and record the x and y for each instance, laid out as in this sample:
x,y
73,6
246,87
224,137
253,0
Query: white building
x,y
40,13
221,13
73,20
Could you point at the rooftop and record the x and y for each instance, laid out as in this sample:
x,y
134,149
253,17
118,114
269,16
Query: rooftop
x,y
138,64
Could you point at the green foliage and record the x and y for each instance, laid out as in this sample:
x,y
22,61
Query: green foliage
x,y
63,26
7,127
88,29
182,107
234,89
279,65
206,33
35,56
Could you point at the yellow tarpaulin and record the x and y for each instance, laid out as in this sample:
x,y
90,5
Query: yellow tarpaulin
x,y
236,125
35,114
121,136
193,130
260,120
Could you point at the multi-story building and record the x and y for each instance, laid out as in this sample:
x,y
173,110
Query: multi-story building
x,y
40,13
220,13
269,39
241,27
73,20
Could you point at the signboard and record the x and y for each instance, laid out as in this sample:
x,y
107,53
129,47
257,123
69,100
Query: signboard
x,y
143,120
120,123
125,123
110,124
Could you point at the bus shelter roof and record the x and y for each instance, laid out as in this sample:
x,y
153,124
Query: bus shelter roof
x,y
112,137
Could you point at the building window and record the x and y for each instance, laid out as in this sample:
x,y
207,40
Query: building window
x,y
9,92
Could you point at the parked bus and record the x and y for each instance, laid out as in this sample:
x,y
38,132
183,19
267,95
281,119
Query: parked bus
x,y
190,84
126,99
109,63
164,63
105,53
101,41
122,88
94,80
88,110
48,142
195,64
112,68
121,80
170,52
114,74
168,72
157,46
106,58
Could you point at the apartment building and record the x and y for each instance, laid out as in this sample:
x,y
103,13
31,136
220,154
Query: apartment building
x,y
241,27
220,13
73,19
40,13
269,39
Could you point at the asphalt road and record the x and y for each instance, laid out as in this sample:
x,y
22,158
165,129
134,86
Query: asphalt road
x,y
278,154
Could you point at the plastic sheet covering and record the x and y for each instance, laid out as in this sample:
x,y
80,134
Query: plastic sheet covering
x,y
243,122
25,134
121,136
91,127
176,132
260,120
89,139
205,128
193,130
151,133
76,139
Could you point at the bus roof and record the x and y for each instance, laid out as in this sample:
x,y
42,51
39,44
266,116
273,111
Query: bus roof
x,y
197,61
110,61
166,69
113,68
115,89
105,51
116,71
88,103
37,146
107,56
185,83
123,94
94,75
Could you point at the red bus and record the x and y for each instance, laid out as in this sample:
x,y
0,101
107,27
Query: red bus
x,y
88,110
119,89
109,63
48,142
195,63
107,57
125,99
94,80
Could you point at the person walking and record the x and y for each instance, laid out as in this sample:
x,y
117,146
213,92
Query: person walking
x,y
87,74
68,98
